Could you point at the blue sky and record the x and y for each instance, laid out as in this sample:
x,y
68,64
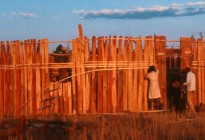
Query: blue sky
x,y
58,20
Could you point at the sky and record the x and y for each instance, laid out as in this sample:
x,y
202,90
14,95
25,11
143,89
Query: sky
x,y
59,19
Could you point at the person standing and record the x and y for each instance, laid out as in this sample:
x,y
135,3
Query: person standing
x,y
154,90
191,87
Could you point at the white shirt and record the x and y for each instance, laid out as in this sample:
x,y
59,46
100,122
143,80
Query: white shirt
x,y
154,91
191,81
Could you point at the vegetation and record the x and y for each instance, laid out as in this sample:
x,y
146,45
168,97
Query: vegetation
x,y
123,126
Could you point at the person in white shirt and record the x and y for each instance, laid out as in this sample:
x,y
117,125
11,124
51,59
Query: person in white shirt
x,y
154,90
191,87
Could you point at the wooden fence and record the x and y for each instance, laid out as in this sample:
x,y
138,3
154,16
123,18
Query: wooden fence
x,y
107,75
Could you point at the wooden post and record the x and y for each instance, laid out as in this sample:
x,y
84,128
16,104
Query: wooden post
x,y
34,94
3,79
186,51
146,60
110,80
78,70
125,76
93,94
130,76
135,78
120,77
114,56
105,76
100,88
38,75
140,73
74,83
87,75
160,53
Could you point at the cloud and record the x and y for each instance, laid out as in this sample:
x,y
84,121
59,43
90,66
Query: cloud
x,y
27,15
174,10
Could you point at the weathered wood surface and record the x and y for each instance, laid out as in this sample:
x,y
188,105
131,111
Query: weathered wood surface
x,y
107,75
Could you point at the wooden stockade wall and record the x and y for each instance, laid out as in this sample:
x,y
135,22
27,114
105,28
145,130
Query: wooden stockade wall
x,y
107,75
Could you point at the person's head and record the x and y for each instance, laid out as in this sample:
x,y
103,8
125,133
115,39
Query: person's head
x,y
187,69
151,68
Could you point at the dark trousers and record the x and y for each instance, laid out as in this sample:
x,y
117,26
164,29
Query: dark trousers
x,y
154,104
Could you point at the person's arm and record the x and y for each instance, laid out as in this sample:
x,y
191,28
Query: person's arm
x,y
188,80
146,76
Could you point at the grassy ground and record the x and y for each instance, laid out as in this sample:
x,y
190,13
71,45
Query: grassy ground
x,y
123,126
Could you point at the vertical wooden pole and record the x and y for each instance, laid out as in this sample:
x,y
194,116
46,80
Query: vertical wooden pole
x,y
93,92
194,65
30,77
105,76
125,76
120,77
69,98
135,78
201,52
110,80
33,95
87,75
114,92
160,53
12,78
16,80
82,76
78,70
74,85
146,60
140,72
130,76
186,51
7,82
2,78
38,75
100,88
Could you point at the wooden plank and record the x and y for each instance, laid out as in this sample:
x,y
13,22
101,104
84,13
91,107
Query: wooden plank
x,y
105,76
146,59
12,78
186,51
125,76
195,70
56,95
60,98
38,75
109,83
160,52
7,81
140,72
99,83
87,75
130,76
2,77
30,77
120,77
93,93
78,70
82,76
33,95
74,85
203,73
69,98
135,78
65,97
80,31
26,77
16,81
114,92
